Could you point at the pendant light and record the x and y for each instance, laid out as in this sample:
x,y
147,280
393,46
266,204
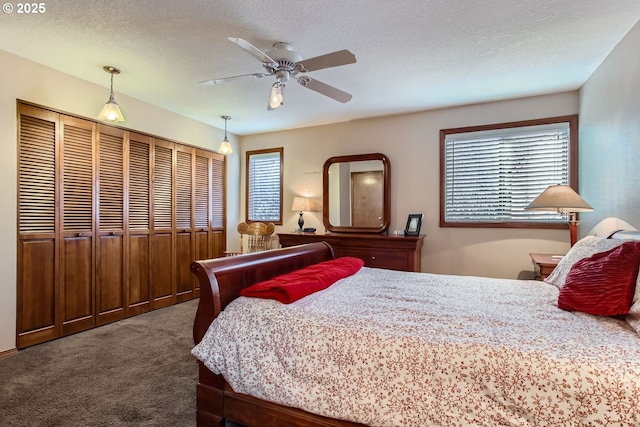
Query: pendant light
x,y
225,146
111,111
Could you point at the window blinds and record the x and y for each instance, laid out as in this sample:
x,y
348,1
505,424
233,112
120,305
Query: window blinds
x,y
264,187
491,176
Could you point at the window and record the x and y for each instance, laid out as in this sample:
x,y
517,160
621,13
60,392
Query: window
x,y
489,174
264,185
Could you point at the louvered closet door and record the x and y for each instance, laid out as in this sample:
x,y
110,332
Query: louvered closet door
x,y
162,214
77,213
139,294
185,238
37,292
110,285
202,208
218,186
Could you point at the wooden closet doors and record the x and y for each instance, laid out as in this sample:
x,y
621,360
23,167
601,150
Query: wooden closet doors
x,y
38,255
76,177
109,222
185,232
138,227
162,261
110,225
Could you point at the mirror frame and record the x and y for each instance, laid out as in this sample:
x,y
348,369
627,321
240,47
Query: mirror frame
x,y
386,197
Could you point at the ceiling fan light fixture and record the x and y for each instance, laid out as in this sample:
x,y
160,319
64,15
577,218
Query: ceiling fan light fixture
x,y
276,97
283,63
225,146
111,111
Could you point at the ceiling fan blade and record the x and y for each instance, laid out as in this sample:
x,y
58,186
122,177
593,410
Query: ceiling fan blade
x,y
226,79
335,59
325,89
263,57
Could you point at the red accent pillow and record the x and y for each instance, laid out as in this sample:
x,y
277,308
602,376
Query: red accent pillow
x,y
602,284
290,287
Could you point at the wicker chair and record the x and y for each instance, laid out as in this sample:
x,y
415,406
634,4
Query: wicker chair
x,y
258,237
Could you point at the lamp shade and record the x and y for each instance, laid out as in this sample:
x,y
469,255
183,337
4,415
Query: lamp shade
x,y
225,147
301,204
111,112
561,199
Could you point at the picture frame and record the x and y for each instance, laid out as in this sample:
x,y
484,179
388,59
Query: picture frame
x,y
414,223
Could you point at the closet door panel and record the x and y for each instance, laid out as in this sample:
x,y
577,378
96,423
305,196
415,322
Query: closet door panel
x,y
218,207
218,243
162,244
77,268
37,296
139,295
162,271
184,277
110,294
202,209
202,191
37,274
77,215
185,280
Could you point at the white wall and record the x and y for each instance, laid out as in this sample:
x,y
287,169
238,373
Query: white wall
x,y
411,142
610,136
28,81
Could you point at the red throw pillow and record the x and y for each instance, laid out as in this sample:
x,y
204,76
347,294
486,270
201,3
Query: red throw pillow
x,y
602,284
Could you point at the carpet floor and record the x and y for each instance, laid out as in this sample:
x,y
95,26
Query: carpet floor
x,y
135,372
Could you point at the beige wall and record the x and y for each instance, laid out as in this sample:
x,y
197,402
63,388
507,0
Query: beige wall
x,y
411,142
610,136
28,81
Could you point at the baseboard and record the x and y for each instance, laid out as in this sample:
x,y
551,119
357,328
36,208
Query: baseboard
x,y
7,353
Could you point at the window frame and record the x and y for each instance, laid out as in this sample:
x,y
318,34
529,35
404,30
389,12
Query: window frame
x,y
572,120
248,155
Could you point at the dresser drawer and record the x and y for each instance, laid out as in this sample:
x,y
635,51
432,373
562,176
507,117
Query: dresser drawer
x,y
381,251
379,258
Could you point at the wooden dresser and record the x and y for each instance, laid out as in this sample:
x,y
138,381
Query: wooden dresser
x,y
381,251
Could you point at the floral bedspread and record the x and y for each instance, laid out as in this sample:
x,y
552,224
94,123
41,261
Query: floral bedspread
x,y
388,348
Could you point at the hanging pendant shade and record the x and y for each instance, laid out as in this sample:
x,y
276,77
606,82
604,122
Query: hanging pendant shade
x,y
111,110
225,146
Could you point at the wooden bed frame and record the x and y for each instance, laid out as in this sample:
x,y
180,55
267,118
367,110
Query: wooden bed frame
x,y
220,283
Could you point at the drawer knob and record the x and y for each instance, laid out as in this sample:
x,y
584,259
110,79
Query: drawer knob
x,y
373,257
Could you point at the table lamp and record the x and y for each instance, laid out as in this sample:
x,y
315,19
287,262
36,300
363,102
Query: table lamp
x,y
301,204
563,200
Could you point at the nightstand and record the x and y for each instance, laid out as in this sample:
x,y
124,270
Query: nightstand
x,y
543,264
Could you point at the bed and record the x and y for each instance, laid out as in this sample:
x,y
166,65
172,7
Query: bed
x,y
365,351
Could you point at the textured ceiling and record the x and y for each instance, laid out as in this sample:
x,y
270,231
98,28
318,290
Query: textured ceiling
x,y
411,54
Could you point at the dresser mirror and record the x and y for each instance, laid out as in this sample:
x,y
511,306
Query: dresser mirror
x,y
356,194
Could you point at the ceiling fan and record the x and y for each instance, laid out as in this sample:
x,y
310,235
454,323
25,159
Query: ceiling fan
x,y
285,64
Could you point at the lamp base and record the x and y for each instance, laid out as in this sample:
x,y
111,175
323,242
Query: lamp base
x,y
574,224
300,222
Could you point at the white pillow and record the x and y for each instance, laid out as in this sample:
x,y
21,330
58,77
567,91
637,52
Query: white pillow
x,y
633,318
583,248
